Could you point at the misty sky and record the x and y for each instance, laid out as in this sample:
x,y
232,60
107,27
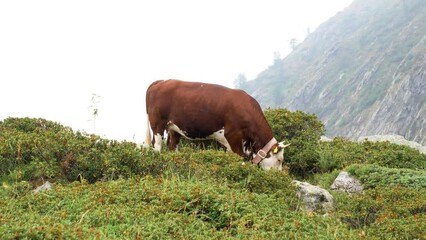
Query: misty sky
x,y
55,54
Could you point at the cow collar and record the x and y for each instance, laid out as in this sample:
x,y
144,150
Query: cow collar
x,y
262,153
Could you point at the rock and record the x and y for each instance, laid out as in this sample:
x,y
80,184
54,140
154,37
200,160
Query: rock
x,y
346,183
325,139
314,197
46,186
396,139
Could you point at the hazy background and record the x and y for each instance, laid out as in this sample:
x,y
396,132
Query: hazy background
x,y
55,54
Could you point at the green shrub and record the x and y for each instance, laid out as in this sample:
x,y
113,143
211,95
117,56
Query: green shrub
x,y
204,194
33,146
341,153
324,180
303,131
386,213
62,155
18,189
223,166
200,144
394,156
29,125
257,180
338,154
287,125
38,148
358,211
375,176
159,208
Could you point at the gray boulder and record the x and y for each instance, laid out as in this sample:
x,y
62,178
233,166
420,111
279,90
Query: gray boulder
x,y
314,197
46,186
325,139
346,183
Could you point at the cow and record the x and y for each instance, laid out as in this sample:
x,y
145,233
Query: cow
x,y
199,111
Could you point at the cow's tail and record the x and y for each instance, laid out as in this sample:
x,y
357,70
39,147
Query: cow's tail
x,y
148,138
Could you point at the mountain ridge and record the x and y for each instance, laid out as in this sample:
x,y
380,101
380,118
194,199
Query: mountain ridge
x,y
363,72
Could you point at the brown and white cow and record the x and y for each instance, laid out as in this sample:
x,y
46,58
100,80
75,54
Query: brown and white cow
x,y
199,111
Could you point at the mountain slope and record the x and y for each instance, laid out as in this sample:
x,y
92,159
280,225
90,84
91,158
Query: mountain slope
x,y
363,72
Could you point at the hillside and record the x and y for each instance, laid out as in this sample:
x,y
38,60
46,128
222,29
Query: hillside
x,y
363,72
105,189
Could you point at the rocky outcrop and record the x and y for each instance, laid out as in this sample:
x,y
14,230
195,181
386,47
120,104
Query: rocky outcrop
x,y
346,183
402,111
313,197
363,72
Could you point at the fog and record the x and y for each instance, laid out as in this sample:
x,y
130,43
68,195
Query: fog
x,y
55,54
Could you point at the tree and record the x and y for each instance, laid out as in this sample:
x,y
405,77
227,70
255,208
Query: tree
x,y
241,81
308,31
293,43
277,57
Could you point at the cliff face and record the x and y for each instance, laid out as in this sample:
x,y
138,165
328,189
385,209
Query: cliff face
x,y
402,111
363,72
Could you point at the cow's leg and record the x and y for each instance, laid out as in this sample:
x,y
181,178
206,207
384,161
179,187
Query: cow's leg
x,y
173,139
235,140
220,137
158,132
158,141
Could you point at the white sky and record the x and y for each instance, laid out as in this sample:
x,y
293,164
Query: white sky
x,y
55,54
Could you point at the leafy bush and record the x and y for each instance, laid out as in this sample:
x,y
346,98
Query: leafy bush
x,y
375,176
338,154
341,153
31,149
324,180
303,131
394,156
28,125
158,208
59,154
386,213
289,125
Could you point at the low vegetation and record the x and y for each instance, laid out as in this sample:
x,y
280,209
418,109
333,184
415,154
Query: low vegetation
x,y
105,189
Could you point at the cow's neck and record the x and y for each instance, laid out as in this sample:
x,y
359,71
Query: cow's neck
x,y
259,144
262,137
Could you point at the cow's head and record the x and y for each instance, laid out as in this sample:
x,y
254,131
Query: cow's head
x,y
274,158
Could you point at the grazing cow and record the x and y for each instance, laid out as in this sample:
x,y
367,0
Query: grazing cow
x,y
199,111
